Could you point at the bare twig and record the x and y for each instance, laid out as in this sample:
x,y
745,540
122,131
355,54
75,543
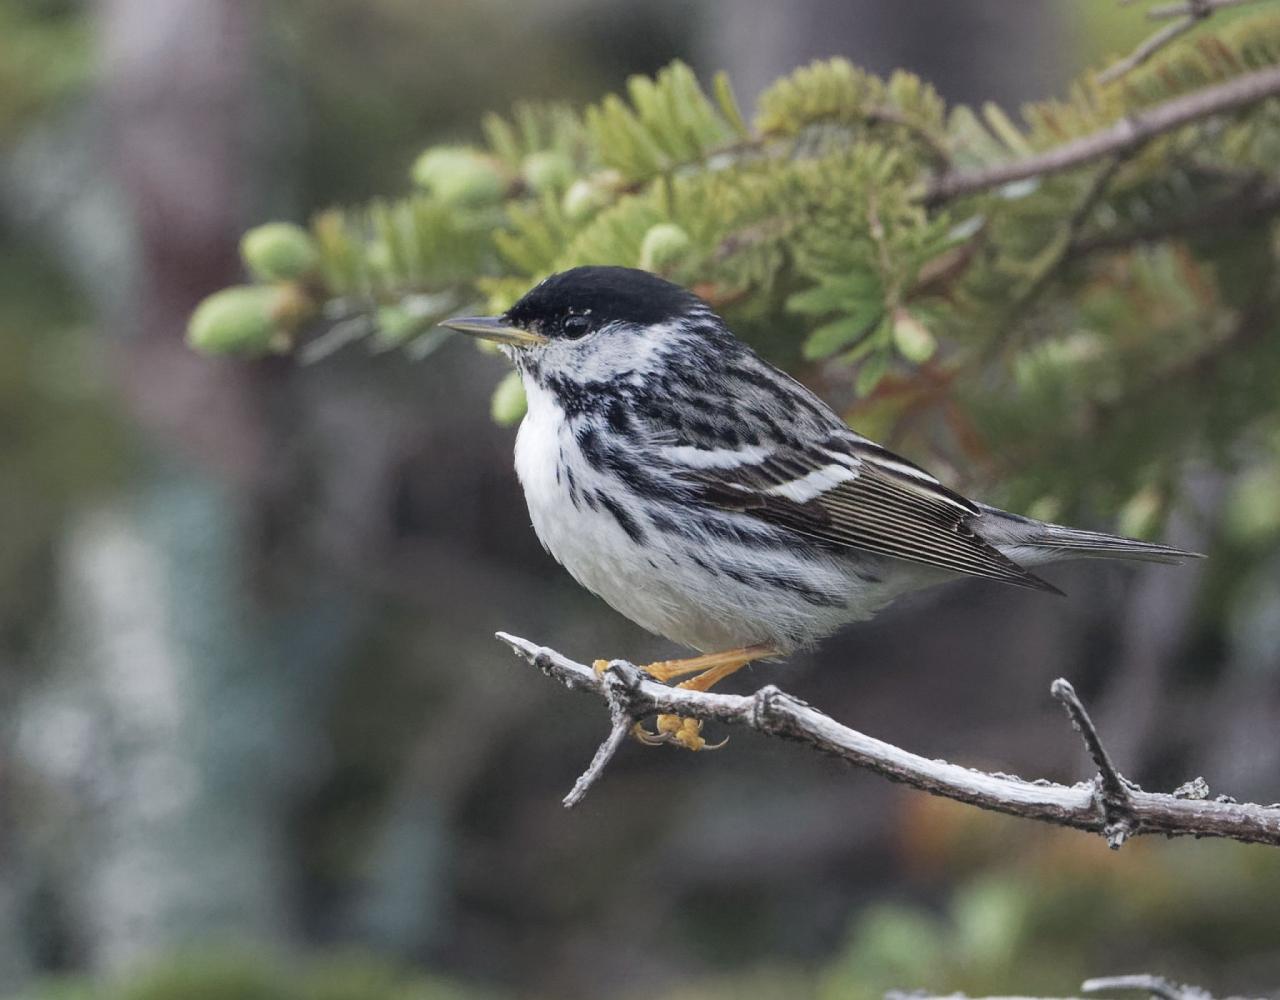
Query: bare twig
x,y
1149,47
926,995
1156,986
619,683
774,713
1153,986
1188,13
1111,780
1184,8
1114,798
1069,233
1123,136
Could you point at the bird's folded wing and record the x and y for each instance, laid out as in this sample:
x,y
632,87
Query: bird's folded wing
x,y
848,492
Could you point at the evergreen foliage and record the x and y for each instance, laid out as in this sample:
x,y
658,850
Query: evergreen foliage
x,y
1079,337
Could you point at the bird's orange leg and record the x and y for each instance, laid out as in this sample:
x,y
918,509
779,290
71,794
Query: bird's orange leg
x,y
726,661
729,662
710,669
714,667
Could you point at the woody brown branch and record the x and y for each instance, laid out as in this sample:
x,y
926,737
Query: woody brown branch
x,y
1123,136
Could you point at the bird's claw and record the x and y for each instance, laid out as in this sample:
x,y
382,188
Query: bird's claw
x,y
671,729
642,735
675,729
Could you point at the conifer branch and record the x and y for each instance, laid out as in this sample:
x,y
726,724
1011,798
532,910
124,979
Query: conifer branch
x,y
1153,44
1251,202
1192,7
1125,135
1189,14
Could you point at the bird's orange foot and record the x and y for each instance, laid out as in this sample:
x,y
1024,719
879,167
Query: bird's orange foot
x,y
671,728
675,730
709,668
686,733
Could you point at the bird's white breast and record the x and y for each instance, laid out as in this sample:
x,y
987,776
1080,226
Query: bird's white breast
x,y
538,444
583,537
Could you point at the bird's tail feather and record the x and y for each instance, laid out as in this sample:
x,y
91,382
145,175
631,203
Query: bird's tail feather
x,y
1098,544
1031,542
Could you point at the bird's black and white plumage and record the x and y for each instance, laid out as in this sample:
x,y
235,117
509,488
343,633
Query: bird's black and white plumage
x,y
713,499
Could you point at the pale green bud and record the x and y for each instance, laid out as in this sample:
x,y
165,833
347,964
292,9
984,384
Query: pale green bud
x,y
912,338
279,251
547,171
460,176
587,195
247,319
396,324
664,247
508,404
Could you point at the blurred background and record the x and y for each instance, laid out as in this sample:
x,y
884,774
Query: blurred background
x,y
256,738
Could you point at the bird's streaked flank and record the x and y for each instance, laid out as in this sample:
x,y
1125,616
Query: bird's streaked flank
x,y
714,500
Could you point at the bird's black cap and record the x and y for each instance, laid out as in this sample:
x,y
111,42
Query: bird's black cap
x,y
574,302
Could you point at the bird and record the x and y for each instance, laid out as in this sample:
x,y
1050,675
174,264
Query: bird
x,y
716,501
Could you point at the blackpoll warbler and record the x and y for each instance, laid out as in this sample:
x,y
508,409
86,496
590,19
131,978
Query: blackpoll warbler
x,y
717,502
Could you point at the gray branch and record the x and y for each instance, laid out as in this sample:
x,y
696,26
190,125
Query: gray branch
x,y
1114,796
1199,8
1108,805
1188,14
1156,987
1150,46
1123,136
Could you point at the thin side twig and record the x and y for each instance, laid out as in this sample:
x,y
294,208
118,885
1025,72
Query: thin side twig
x,y
1189,13
1070,232
1156,986
1114,798
1184,7
1149,47
619,684
1153,986
631,695
1124,135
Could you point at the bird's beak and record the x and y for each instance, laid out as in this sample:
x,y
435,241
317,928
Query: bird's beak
x,y
494,328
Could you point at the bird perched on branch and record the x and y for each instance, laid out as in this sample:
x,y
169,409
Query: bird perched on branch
x,y
717,502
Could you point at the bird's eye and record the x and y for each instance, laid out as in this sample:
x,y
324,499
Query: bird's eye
x,y
575,326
